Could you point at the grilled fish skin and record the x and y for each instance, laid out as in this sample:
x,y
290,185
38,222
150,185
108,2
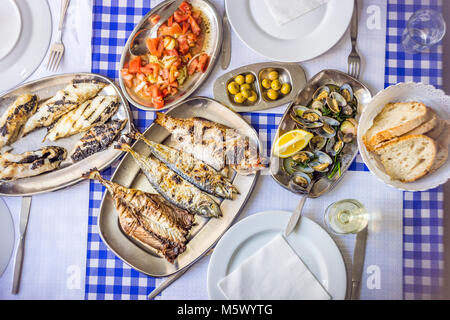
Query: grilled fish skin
x,y
91,113
97,139
214,144
195,171
174,188
28,164
15,117
62,102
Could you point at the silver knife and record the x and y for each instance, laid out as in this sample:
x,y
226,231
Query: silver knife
x,y
24,214
358,262
226,44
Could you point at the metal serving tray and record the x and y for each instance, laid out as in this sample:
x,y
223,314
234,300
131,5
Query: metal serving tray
x,y
69,172
292,73
213,41
207,231
286,124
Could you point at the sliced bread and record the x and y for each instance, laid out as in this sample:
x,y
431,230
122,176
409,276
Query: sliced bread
x,y
430,123
444,137
395,120
441,157
408,158
436,132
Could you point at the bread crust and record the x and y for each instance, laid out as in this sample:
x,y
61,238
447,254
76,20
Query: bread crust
x,y
441,157
429,124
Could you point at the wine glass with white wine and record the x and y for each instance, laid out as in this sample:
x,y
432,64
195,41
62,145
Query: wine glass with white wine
x,y
347,216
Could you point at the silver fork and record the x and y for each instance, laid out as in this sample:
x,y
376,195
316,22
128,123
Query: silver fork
x,y
57,50
354,60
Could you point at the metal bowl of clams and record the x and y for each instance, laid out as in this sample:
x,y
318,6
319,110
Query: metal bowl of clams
x,y
329,108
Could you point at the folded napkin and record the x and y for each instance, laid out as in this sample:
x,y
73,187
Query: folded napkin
x,y
274,272
285,11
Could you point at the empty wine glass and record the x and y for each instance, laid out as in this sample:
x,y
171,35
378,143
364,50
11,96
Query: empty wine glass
x,y
424,29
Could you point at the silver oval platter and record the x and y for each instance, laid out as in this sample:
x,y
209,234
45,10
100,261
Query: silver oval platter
x,y
347,153
291,73
206,232
212,26
69,172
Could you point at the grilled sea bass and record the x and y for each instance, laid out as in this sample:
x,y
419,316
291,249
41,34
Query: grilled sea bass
x,y
62,102
15,117
149,218
28,164
91,113
195,171
97,139
213,143
174,188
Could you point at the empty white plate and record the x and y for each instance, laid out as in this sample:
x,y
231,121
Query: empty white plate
x,y
23,57
6,236
10,26
304,38
311,243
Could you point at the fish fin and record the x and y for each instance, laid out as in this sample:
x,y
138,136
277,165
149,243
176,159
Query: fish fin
x,y
93,174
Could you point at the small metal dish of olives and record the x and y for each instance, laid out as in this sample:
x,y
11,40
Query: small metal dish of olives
x,y
242,90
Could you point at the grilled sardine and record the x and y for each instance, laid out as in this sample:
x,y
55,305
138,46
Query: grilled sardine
x,y
91,113
174,188
214,144
97,139
195,171
15,117
62,102
28,164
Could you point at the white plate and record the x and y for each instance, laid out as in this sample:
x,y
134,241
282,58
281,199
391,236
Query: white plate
x,y
10,26
311,243
404,92
32,44
301,39
6,236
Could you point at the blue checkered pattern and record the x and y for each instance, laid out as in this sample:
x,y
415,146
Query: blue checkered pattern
x,y
422,211
107,277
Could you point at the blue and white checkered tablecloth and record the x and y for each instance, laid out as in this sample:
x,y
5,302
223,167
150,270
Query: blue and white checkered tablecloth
x,y
107,277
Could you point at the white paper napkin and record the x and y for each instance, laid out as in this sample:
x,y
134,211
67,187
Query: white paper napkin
x,y
274,272
284,11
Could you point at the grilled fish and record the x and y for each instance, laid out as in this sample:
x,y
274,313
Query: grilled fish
x,y
91,113
166,224
15,117
213,143
174,188
97,139
195,171
62,102
28,164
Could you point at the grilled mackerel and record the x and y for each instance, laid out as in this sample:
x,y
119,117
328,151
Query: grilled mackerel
x,y
195,171
62,102
97,139
89,114
174,188
15,117
149,218
213,143
28,164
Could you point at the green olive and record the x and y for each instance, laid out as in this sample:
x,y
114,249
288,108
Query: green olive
x,y
272,94
246,93
253,97
285,88
239,79
275,85
273,75
249,78
266,83
245,86
233,87
239,98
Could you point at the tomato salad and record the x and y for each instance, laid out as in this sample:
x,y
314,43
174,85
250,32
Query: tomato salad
x,y
172,57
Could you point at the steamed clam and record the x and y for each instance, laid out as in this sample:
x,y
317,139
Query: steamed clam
x,y
306,117
300,180
347,92
349,129
335,144
317,143
321,93
322,162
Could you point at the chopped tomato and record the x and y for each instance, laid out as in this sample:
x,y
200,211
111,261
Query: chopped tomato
x,y
158,101
194,26
183,45
172,52
127,78
193,66
152,45
170,21
185,7
135,65
173,70
172,31
180,16
154,19
202,62
185,27
151,69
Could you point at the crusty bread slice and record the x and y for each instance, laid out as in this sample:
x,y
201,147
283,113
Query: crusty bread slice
x,y
430,123
408,158
441,157
436,132
394,120
444,137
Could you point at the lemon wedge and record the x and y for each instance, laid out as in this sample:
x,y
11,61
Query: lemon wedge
x,y
291,142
